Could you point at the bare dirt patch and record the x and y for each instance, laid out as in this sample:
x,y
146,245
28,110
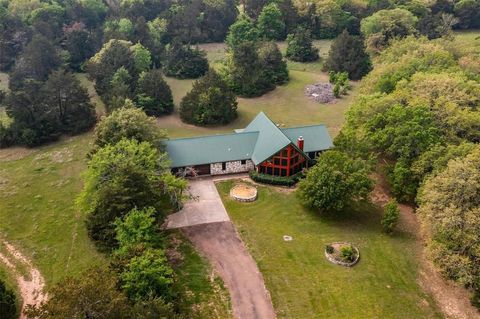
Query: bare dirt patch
x,y
452,299
14,153
32,284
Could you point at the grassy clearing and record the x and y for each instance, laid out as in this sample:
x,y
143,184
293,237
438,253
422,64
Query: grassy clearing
x,y
38,189
86,83
303,284
468,35
286,105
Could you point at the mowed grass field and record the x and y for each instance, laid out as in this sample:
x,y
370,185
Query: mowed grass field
x,y
287,105
303,284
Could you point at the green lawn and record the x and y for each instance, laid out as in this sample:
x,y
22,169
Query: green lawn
x,y
38,188
37,213
286,105
303,284
467,34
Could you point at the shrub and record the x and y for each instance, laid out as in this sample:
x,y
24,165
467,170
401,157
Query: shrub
x,y
348,254
391,216
276,180
329,249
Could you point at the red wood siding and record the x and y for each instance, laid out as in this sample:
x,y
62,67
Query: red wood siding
x,y
285,163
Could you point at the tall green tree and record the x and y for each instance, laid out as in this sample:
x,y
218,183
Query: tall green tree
x,y
275,67
39,58
300,47
383,26
270,22
153,94
119,178
65,96
335,181
148,275
347,54
93,294
8,302
127,122
450,214
105,63
209,102
245,71
243,30
185,62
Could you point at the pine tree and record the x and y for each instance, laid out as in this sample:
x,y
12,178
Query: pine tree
x,y
209,102
300,47
347,54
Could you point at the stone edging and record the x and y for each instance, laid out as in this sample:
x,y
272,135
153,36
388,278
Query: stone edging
x,y
244,199
342,263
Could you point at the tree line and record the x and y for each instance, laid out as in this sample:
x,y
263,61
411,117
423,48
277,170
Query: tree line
x,y
128,191
417,117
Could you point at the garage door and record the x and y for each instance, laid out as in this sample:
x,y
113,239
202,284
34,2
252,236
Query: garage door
x,y
203,169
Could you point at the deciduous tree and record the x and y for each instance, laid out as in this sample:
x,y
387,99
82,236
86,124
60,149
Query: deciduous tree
x,y
347,54
209,102
335,181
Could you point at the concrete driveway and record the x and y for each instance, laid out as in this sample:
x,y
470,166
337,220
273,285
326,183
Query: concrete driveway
x,y
206,206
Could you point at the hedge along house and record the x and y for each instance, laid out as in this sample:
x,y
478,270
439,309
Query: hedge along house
x,y
261,146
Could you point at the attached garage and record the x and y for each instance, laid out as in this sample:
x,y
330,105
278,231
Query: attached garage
x,y
203,169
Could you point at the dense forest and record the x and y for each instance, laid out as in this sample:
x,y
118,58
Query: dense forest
x,y
127,47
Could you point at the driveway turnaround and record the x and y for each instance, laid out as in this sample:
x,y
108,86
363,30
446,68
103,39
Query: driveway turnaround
x,y
205,207
220,243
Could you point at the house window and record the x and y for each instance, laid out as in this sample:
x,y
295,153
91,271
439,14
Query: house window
x,y
276,161
243,162
284,162
285,153
224,166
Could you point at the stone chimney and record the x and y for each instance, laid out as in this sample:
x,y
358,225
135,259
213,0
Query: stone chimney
x,y
300,142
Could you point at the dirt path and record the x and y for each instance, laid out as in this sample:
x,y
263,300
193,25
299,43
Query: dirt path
x,y
31,286
229,257
452,299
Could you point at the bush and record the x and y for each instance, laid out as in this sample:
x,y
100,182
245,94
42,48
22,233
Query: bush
x,y
276,180
8,306
329,249
391,216
347,254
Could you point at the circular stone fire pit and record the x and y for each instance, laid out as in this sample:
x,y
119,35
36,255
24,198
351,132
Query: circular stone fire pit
x,y
243,193
342,253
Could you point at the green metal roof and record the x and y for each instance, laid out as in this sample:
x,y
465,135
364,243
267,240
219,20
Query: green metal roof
x,y
316,137
210,149
270,138
258,141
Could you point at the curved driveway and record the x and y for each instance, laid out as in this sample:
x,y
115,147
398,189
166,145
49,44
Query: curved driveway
x,y
205,222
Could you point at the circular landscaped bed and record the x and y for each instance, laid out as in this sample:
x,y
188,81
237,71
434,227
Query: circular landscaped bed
x,y
342,253
243,193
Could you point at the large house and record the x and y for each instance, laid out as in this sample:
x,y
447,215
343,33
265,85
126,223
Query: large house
x,y
261,146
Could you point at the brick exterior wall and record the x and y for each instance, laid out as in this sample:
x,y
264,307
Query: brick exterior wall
x,y
231,167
